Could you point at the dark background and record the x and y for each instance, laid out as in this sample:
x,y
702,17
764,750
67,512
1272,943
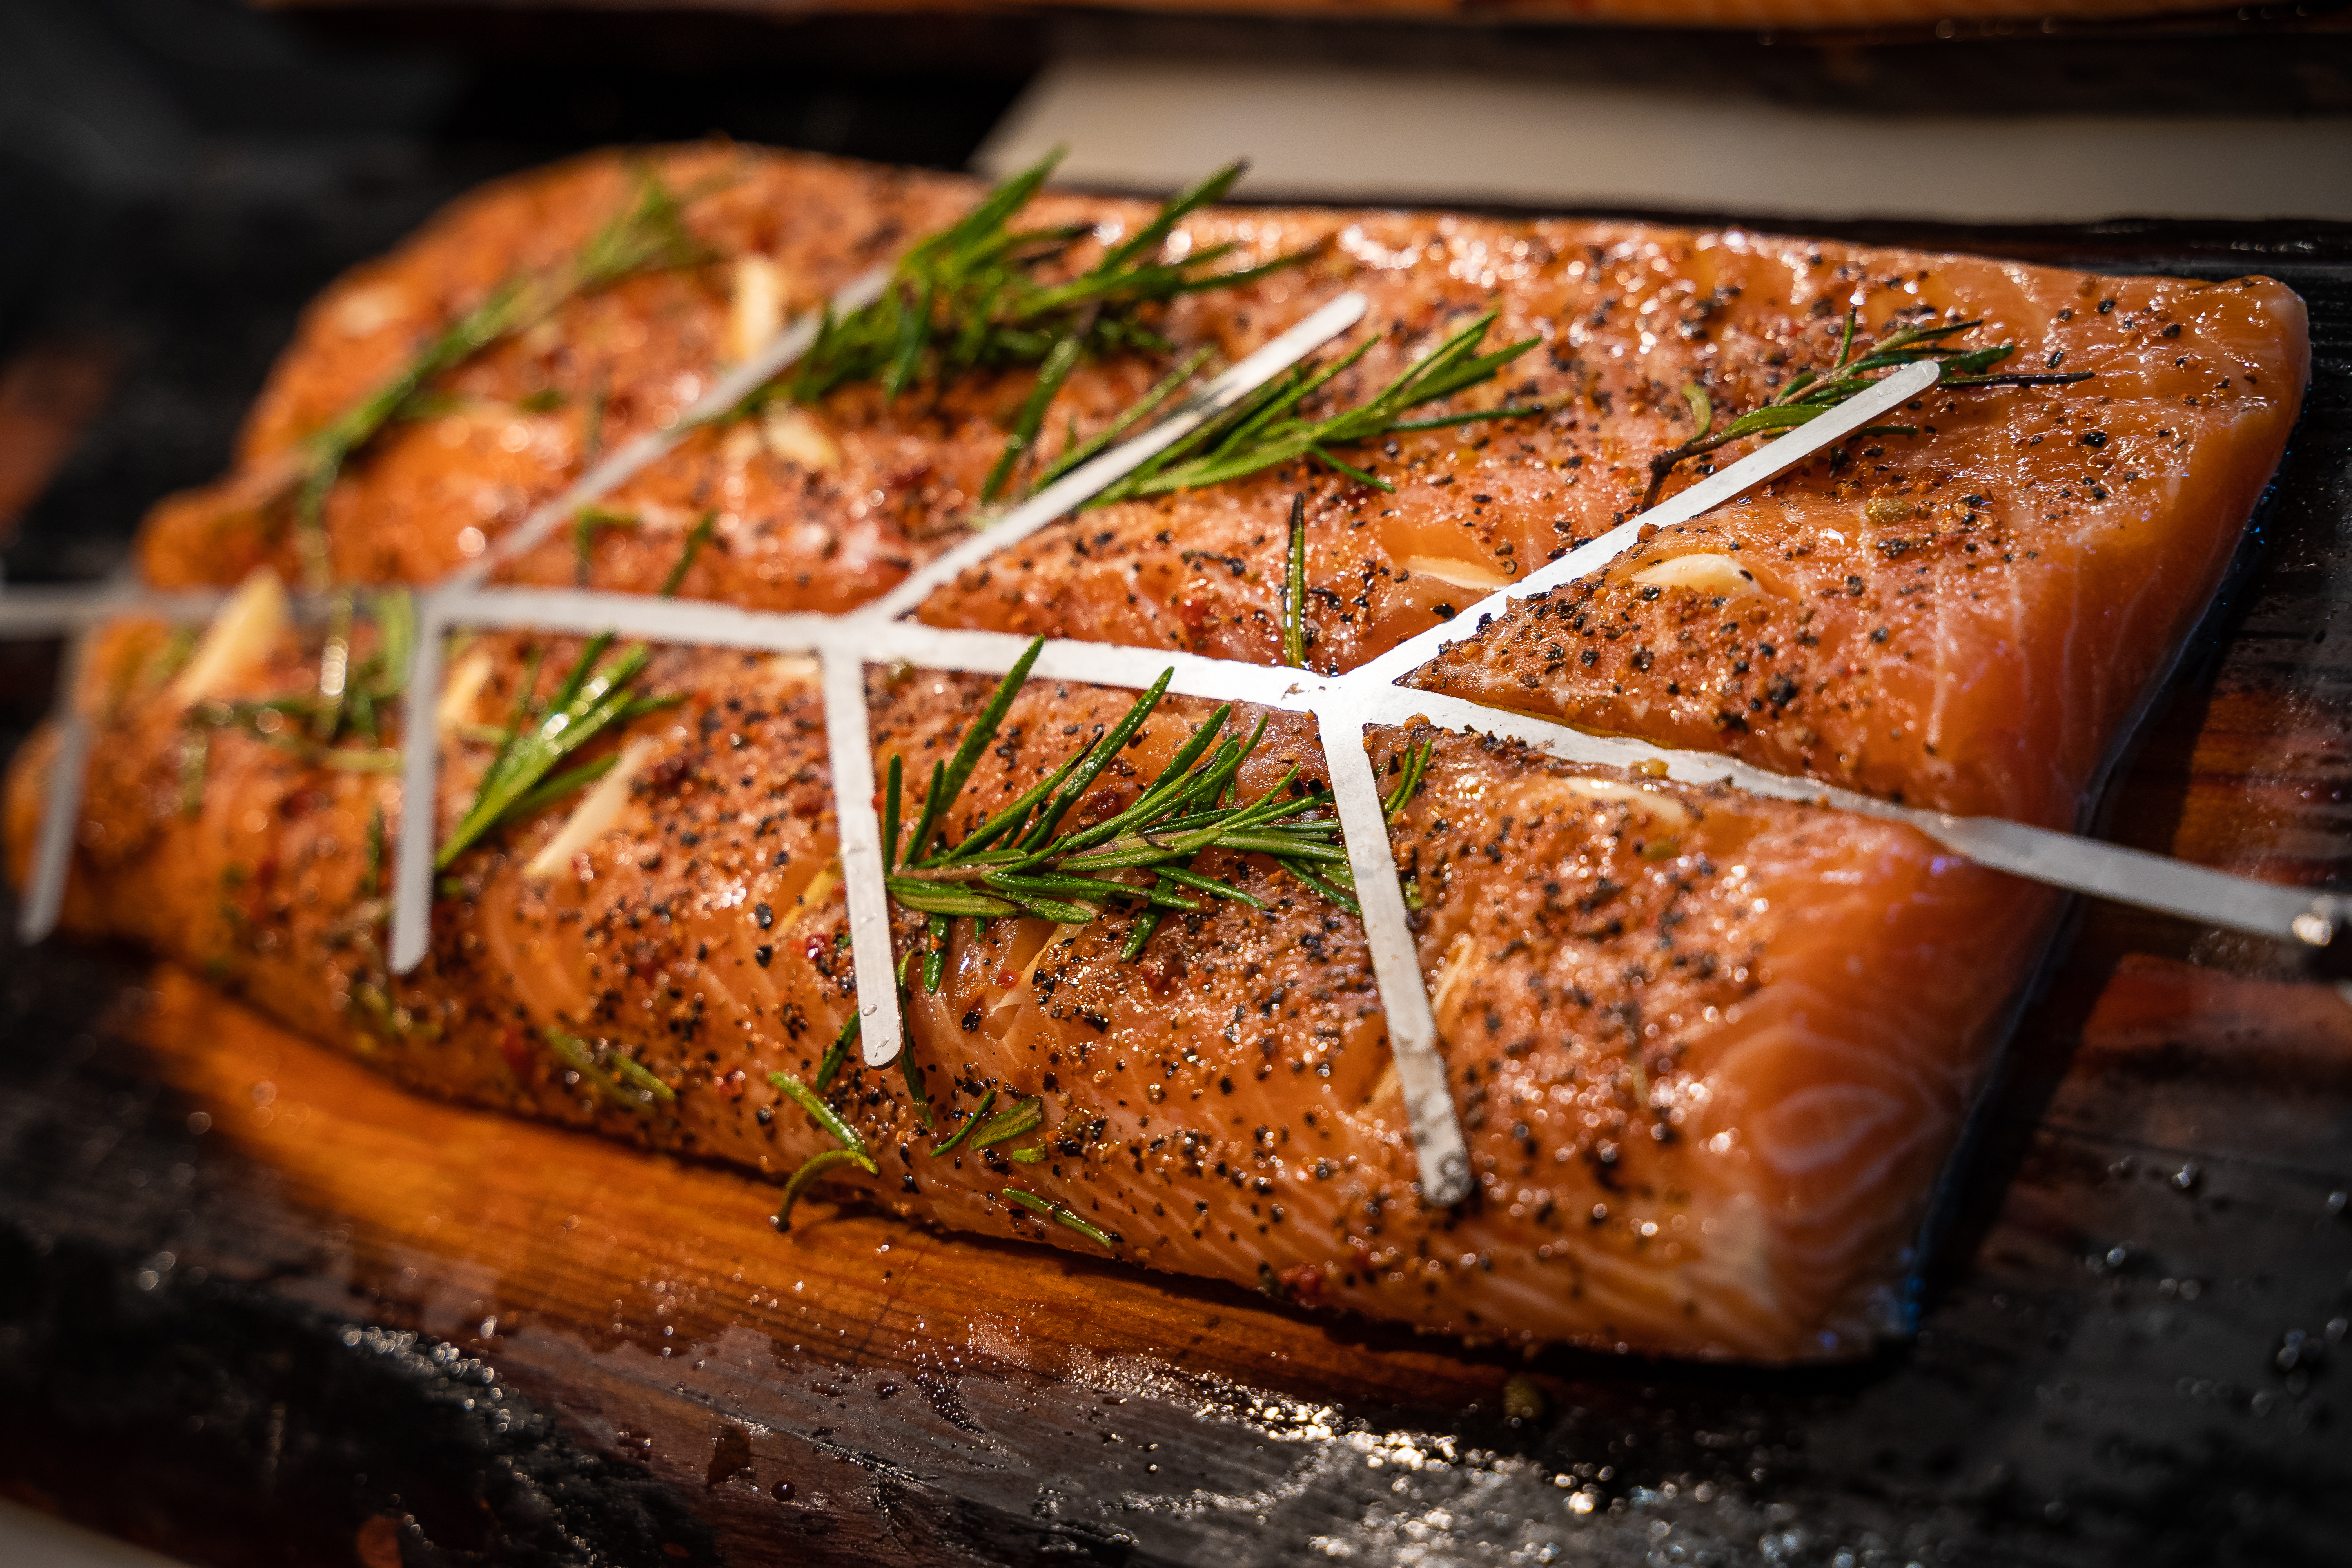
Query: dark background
x,y
2131,1326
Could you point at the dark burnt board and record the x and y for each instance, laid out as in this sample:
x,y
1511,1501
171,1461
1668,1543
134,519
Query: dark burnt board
x,y
258,1307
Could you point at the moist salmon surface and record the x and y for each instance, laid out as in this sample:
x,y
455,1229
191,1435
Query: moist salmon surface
x,y
1710,1051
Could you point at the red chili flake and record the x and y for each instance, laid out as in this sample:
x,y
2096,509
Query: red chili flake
x,y
516,1050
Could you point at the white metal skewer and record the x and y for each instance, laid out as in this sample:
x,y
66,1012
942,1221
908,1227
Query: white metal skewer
x,y
849,747
45,894
1438,1147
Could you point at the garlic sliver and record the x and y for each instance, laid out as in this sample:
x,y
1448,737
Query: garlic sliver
x,y
758,312
820,888
795,437
1459,958
1704,573
794,669
240,639
598,812
1661,808
1462,573
465,684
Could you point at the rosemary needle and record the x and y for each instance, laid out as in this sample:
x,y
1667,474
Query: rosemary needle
x,y
1021,1117
971,1121
1060,1213
1293,590
839,1052
695,540
350,702
1415,763
609,1070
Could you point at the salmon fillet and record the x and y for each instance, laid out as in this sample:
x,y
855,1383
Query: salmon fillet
x,y
1698,1125
1710,1051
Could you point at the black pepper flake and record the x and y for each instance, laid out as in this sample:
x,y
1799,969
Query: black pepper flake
x,y
762,955
765,915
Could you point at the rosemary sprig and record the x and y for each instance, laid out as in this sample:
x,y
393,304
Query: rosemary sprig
x,y
591,701
648,234
1415,763
1811,393
619,1075
350,701
1264,429
973,296
851,1150
1022,861
1060,1214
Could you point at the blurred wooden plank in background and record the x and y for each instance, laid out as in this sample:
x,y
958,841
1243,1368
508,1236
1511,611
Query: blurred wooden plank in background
x,y
1386,134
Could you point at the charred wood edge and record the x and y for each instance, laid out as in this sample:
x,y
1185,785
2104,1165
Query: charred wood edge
x,y
1342,705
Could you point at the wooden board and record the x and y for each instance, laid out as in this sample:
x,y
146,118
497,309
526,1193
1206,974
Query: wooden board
x,y
340,1323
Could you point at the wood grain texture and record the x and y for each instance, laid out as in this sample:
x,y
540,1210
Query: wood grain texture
x,y
344,1324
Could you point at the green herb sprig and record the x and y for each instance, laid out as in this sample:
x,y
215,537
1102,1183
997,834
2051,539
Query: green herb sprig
x,y
1293,587
617,1074
1264,429
350,702
972,296
1061,1213
649,233
1409,773
1810,394
1023,861
836,1054
696,538
851,1150
522,780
